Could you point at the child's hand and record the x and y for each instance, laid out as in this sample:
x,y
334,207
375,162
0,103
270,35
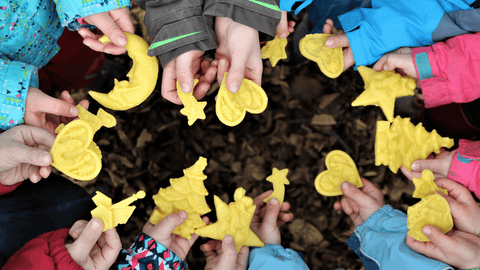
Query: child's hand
x,y
92,248
339,40
238,53
113,24
456,248
360,203
285,27
44,111
399,60
465,211
268,217
186,67
162,233
438,164
222,255
24,153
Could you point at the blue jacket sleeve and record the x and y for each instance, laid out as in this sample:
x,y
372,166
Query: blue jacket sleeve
x,y
71,10
15,78
389,25
380,243
275,257
146,253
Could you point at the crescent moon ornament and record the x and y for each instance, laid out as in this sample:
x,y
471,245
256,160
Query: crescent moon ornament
x,y
142,77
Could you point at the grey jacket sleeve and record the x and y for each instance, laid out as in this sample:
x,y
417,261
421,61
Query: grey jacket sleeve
x,y
176,27
263,15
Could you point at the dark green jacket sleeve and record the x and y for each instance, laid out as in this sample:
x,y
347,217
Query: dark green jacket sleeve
x,y
176,27
263,15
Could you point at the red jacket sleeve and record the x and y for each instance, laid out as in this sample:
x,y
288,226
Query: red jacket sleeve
x,y
449,71
7,189
465,165
46,252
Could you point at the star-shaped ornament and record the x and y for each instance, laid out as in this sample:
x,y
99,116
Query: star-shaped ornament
x,y
425,185
382,88
233,219
193,109
275,50
279,180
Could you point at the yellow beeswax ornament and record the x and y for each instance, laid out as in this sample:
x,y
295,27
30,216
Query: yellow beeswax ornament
x,y
231,108
275,50
425,185
142,77
193,109
74,152
431,210
279,180
186,193
112,215
340,168
233,219
330,61
401,143
382,88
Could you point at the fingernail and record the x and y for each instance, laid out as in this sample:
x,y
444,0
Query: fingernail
x,y
228,240
427,230
345,185
214,73
122,41
185,88
95,224
234,87
415,166
183,214
45,159
222,63
73,111
273,201
86,43
329,43
385,67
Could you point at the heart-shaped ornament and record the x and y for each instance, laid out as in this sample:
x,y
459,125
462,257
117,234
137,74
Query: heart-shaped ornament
x,y
340,167
330,61
231,108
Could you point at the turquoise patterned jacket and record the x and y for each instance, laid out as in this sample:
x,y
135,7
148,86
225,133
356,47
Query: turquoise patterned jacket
x,y
29,30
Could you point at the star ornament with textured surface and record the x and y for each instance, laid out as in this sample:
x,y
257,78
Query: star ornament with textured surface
x,y
382,88
279,180
233,219
275,50
194,111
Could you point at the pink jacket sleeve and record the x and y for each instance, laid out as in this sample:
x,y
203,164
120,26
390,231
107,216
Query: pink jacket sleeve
x,y
46,252
465,166
449,71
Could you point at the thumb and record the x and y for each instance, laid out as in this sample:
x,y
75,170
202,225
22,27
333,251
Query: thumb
x,y
271,214
455,207
228,258
282,27
437,166
337,41
105,23
81,248
355,194
439,239
236,73
163,230
30,155
184,72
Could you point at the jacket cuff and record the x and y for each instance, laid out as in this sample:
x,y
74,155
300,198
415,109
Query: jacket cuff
x,y
16,78
275,257
183,28
148,252
7,189
350,21
465,165
70,11
47,251
263,15
382,218
434,87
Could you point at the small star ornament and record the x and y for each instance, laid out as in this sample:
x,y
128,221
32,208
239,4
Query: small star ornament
x,y
193,109
279,180
382,88
275,50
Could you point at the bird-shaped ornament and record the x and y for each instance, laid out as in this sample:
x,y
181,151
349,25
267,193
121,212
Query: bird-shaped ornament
x,y
233,219
112,215
279,180
74,152
425,185
382,88
186,193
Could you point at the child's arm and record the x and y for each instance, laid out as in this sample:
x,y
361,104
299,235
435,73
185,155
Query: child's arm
x,y
222,255
379,237
91,250
458,247
24,153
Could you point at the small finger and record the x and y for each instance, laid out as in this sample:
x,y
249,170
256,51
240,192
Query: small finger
x,y
337,41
